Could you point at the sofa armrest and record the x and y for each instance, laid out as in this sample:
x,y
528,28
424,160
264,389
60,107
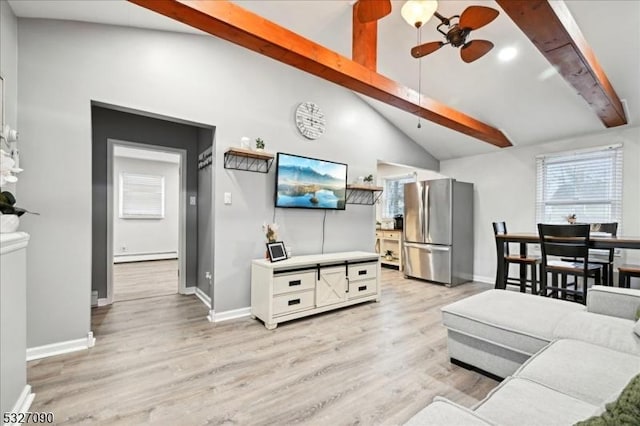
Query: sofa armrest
x,y
444,412
613,301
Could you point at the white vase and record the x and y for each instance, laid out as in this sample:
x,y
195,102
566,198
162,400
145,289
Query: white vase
x,y
9,223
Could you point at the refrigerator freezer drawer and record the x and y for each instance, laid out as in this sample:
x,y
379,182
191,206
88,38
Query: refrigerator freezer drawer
x,y
428,262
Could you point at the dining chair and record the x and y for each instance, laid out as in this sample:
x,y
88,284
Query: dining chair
x,y
605,263
500,228
572,241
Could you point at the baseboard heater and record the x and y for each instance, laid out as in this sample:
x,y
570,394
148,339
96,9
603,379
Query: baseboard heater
x,y
140,257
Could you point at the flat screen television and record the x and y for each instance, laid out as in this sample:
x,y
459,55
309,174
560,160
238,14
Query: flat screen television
x,y
309,183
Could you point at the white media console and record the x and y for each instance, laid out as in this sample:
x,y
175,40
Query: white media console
x,y
307,285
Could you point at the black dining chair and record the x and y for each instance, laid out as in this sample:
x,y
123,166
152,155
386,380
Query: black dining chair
x,y
570,241
524,261
606,261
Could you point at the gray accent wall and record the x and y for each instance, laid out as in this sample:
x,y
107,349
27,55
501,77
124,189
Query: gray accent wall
x,y
65,65
205,216
111,124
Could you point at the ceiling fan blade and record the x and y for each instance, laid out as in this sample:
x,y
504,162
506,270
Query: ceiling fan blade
x,y
426,48
372,10
475,17
475,49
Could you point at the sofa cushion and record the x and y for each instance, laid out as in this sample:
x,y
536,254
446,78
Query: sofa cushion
x,y
603,330
444,412
636,329
518,321
522,402
624,411
582,370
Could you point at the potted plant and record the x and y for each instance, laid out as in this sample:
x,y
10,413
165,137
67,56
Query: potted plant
x,y
368,180
259,144
571,218
388,254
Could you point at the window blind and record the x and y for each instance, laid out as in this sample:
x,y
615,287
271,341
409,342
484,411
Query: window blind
x,y
585,183
393,195
141,196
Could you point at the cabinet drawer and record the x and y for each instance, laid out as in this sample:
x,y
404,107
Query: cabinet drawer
x,y
292,302
294,282
379,234
362,288
392,235
363,271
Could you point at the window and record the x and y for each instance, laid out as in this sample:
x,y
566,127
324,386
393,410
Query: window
x,y
141,196
393,195
586,183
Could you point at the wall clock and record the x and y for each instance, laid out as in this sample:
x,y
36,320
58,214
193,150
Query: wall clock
x,y
310,120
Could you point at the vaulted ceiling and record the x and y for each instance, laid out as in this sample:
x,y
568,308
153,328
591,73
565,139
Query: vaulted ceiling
x,y
525,98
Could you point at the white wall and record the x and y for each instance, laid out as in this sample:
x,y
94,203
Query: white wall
x,y
505,189
147,236
9,72
64,65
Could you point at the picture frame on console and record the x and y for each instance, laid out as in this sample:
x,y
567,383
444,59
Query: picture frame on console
x,y
277,251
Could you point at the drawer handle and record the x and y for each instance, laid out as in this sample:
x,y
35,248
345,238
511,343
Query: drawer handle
x,y
294,302
362,288
362,272
294,283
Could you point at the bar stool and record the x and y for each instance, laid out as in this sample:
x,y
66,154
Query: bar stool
x,y
500,228
566,241
625,272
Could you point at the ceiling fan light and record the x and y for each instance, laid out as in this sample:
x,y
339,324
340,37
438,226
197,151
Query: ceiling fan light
x,y
418,12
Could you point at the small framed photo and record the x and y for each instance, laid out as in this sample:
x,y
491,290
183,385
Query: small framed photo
x,y
276,251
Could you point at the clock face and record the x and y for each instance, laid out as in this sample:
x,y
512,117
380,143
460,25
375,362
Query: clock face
x,y
310,120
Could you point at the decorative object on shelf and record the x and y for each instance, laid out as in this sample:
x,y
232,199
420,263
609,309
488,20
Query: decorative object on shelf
x,y
8,168
388,254
310,120
10,217
363,194
245,143
378,224
270,231
571,218
247,160
259,145
368,180
276,251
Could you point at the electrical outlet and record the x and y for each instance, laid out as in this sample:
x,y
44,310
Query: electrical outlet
x,y
192,200
124,248
227,198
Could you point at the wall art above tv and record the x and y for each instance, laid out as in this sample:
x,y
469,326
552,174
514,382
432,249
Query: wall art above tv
x,y
310,183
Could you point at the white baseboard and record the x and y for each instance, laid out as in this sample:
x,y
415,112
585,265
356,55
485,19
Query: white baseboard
x,y
103,302
140,257
211,315
189,290
204,297
60,348
486,280
23,403
232,314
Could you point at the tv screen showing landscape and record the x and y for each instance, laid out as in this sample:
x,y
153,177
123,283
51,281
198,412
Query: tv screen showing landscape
x,y
310,183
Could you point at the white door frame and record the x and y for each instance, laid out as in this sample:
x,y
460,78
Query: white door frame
x,y
182,226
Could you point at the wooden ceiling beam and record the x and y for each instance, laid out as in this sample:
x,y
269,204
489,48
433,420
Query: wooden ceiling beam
x,y
552,29
364,47
230,22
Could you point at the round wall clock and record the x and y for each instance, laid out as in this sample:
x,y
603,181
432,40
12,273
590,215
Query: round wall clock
x,y
310,120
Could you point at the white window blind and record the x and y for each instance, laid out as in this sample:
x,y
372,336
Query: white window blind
x,y
585,183
393,195
141,196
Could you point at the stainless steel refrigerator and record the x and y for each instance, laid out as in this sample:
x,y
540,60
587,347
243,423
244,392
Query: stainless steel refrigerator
x,y
438,231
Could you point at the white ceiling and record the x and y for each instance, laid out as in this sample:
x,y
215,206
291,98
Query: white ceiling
x,y
524,98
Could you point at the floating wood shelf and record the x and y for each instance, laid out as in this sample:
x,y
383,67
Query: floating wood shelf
x,y
247,160
363,194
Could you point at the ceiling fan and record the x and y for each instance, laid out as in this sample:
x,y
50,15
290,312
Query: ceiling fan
x,y
457,31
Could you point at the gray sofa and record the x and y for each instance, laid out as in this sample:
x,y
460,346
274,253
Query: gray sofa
x,y
562,361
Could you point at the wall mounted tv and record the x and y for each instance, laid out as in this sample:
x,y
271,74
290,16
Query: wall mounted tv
x,y
309,183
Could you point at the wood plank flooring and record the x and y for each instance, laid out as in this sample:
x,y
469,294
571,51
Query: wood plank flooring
x,y
136,280
158,361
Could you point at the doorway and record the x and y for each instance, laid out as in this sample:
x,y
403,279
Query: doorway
x,y
146,221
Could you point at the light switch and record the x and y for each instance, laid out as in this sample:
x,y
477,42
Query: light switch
x,y
192,200
227,198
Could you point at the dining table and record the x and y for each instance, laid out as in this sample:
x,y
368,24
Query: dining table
x,y
525,238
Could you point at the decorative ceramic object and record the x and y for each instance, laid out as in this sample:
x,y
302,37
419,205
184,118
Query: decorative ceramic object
x,y
9,223
245,143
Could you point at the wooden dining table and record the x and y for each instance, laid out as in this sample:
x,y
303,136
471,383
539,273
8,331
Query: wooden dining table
x,y
595,242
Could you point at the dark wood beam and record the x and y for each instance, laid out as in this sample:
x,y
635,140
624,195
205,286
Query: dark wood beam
x,y
230,22
364,47
552,29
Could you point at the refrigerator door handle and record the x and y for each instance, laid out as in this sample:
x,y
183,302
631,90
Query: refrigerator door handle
x,y
428,247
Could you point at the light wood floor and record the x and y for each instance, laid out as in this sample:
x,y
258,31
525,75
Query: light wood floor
x,y
135,280
158,361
